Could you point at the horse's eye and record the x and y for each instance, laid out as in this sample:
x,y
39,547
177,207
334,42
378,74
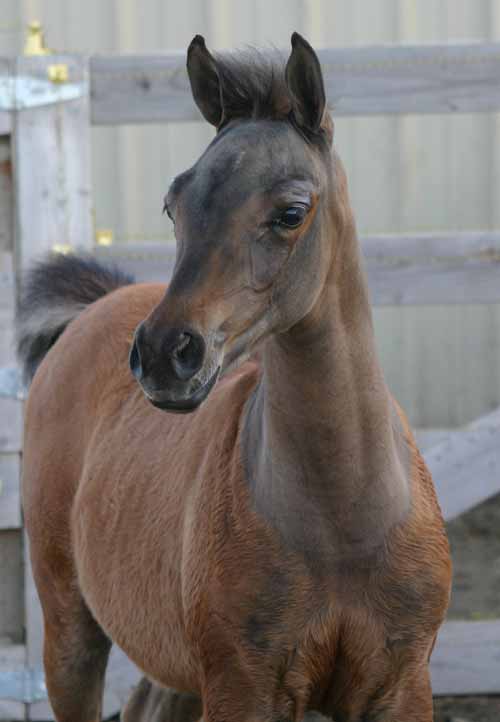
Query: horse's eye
x,y
292,216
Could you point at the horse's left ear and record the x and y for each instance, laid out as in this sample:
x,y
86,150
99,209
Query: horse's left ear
x,y
204,80
305,84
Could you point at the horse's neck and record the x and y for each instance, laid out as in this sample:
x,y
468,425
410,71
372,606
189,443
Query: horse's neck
x,y
323,438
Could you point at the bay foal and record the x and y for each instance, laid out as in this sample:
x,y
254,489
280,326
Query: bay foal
x,y
281,549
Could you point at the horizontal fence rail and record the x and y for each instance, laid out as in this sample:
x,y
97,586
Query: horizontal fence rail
x,y
358,81
411,269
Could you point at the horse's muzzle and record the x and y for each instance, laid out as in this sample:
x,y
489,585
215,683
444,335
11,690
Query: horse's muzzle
x,y
166,364
161,399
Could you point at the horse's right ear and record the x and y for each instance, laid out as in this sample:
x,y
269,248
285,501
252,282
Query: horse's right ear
x,y
204,79
305,83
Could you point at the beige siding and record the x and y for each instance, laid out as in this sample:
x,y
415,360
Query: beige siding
x,y
411,173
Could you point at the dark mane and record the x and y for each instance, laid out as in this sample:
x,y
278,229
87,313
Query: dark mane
x,y
253,83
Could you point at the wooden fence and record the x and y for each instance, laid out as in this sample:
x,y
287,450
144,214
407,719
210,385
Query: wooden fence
x,y
47,106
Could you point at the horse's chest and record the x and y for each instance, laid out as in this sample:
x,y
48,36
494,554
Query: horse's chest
x,y
274,613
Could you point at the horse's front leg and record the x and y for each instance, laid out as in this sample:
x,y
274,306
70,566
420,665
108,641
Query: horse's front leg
x,y
409,701
255,695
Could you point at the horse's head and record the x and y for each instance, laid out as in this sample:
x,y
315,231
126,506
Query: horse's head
x,y
254,219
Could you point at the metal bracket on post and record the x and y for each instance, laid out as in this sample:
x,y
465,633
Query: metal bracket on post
x,y
24,684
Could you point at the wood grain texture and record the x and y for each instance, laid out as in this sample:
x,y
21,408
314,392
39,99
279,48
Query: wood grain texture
x,y
5,123
11,585
427,438
427,268
11,426
10,502
466,659
6,70
7,309
358,81
466,466
10,409
416,269
33,613
51,153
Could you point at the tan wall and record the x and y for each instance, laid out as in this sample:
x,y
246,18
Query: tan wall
x,y
411,173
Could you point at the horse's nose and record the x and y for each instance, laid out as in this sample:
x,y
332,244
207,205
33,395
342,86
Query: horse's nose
x,y
175,352
186,350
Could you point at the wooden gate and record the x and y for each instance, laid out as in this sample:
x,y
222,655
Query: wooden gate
x,y
47,106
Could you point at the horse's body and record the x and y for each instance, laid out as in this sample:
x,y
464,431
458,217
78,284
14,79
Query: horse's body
x,y
281,549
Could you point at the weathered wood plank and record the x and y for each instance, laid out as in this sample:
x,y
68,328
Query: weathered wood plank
x,y
51,154
7,309
440,268
145,261
33,612
11,657
5,115
433,268
466,659
358,81
11,426
5,123
11,585
10,409
427,438
466,466
10,502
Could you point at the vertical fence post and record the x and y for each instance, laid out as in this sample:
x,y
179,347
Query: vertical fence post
x,y
53,211
12,652
51,138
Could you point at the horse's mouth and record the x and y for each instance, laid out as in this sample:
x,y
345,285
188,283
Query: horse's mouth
x,y
161,401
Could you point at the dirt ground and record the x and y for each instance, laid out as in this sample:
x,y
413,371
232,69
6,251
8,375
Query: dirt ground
x,y
475,544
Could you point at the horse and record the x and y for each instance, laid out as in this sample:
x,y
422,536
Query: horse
x,y
216,477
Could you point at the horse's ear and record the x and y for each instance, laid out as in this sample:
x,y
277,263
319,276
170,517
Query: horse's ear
x,y
305,84
204,79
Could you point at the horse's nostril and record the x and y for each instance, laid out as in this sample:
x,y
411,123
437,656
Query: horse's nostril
x,y
134,360
187,355
183,341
